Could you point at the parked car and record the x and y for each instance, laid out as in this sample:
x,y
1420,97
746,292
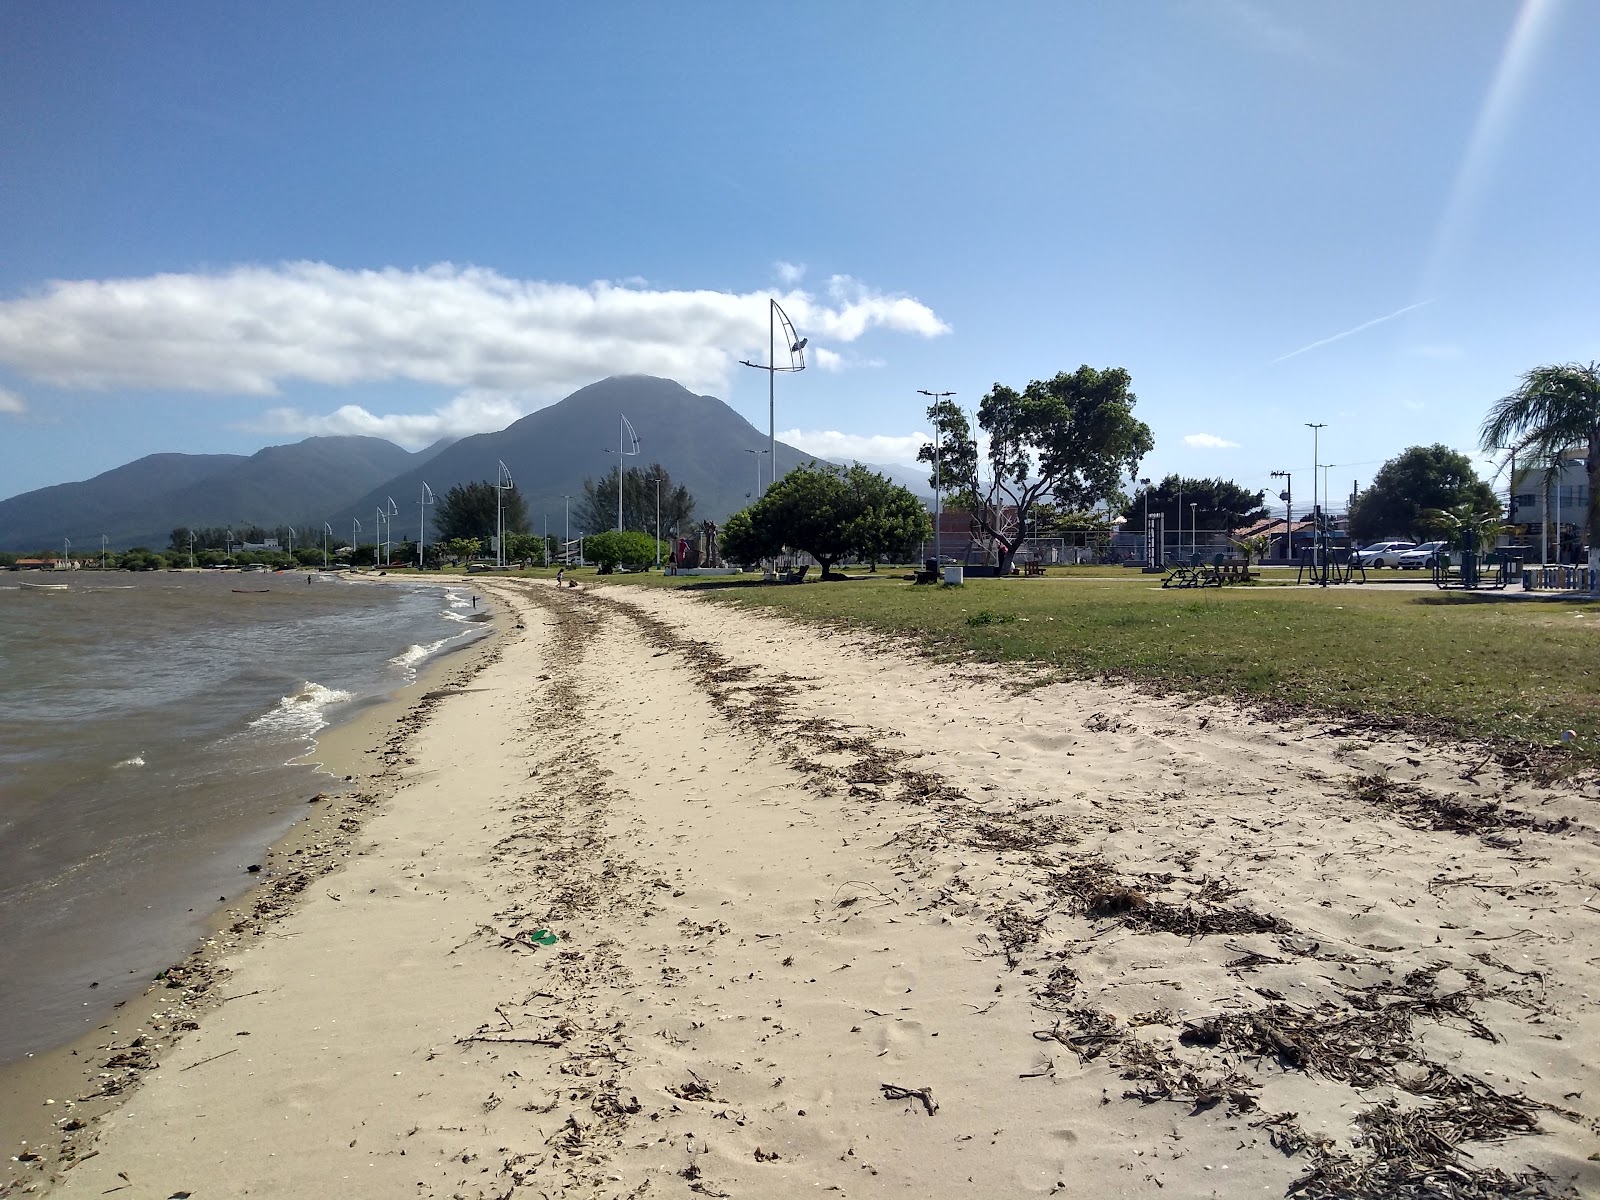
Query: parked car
x,y
1380,554
1422,557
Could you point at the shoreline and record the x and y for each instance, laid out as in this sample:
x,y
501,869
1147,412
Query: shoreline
x,y
356,756
677,900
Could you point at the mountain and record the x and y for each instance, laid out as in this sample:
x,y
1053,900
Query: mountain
x,y
142,502
698,439
913,479
83,511
703,443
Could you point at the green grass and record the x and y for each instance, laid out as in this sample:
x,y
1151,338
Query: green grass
x,y
1486,666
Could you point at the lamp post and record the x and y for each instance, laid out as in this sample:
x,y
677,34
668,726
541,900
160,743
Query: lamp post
x,y
1287,496
566,541
103,544
327,532
1194,529
502,484
1316,428
756,454
1144,484
1180,518
191,549
378,517
389,514
625,435
422,524
797,362
938,478
355,528
580,548
656,479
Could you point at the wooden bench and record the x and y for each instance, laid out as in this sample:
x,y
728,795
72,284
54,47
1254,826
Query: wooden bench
x,y
1033,567
798,575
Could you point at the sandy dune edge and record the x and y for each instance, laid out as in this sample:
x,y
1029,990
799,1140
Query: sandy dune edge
x,y
778,890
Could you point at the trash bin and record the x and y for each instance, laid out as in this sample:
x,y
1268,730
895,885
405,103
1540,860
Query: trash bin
x,y
953,574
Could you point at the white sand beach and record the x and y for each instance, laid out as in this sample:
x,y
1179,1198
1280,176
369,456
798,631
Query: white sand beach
x,y
832,919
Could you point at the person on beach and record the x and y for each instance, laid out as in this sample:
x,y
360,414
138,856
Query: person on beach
x,y
561,575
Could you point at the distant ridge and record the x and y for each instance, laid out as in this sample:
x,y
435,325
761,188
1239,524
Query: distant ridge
x,y
702,442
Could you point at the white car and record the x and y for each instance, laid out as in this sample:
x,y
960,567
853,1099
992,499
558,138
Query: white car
x,y
1380,554
1423,556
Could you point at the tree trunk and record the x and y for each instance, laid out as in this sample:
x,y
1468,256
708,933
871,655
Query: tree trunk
x,y
827,565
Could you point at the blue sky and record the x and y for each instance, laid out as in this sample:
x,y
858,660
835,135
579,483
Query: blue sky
x,y
224,226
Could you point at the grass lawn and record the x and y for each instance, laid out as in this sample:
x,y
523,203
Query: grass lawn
x,y
1518,671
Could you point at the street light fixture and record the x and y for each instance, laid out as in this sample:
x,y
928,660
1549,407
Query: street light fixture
x,y
502,484
1287,496
1316,428
1144,485
797,362
756,495
566,541
422,524
327,532
938,481
625,436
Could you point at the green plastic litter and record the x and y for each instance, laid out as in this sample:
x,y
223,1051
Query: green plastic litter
x,y
544,937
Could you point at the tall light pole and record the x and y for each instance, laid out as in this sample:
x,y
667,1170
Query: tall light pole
x,y
1144,485
797,362
625,436
938,464
756,495
502,484
103,544
566,541
355,528
1194,528
1287,496
1180,517
422,523
1316,428
389,514
378,517
327,533
66,546
656,479
191,549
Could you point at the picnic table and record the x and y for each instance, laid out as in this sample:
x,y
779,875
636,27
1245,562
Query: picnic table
x,y
1033,567
1218,571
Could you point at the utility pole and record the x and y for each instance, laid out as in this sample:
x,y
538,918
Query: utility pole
x,y
566,541
656,479
1316,428
1287,496
938,479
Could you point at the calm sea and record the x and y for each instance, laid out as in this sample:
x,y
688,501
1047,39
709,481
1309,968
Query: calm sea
x,y
147,728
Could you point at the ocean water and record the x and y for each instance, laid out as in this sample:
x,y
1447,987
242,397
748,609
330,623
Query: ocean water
x,y
148,730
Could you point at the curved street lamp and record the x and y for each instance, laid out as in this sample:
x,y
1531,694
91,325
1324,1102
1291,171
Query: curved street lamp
x,y
797,362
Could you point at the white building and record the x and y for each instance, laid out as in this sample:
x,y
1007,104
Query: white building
x,y
1559,496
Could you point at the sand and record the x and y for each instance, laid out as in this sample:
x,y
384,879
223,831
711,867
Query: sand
x,y
830,918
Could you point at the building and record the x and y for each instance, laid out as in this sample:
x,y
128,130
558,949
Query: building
x,y
1554,505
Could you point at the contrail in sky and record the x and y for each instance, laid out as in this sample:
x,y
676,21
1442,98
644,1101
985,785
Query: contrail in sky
x,y
1339,337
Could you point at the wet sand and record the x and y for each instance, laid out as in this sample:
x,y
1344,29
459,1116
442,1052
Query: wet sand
x,y
673,899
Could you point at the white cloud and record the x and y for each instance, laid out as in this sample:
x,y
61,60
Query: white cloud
x,y
789,273
1208,441
249,330
827,359
865,447
10,402
470,412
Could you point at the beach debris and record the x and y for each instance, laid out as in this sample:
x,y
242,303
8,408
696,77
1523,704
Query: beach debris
x,y
695,1088
533,938
893,1091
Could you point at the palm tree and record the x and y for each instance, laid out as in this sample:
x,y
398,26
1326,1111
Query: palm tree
x,y
1554,408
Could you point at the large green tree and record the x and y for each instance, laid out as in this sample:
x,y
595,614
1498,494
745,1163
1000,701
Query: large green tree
x,y
597,509
1554,408
1413,482
1069,440
468,511
612,549
830,513
1219,504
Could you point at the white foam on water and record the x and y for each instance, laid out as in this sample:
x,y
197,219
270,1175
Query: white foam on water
x,y
303,711
413,655
136,761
